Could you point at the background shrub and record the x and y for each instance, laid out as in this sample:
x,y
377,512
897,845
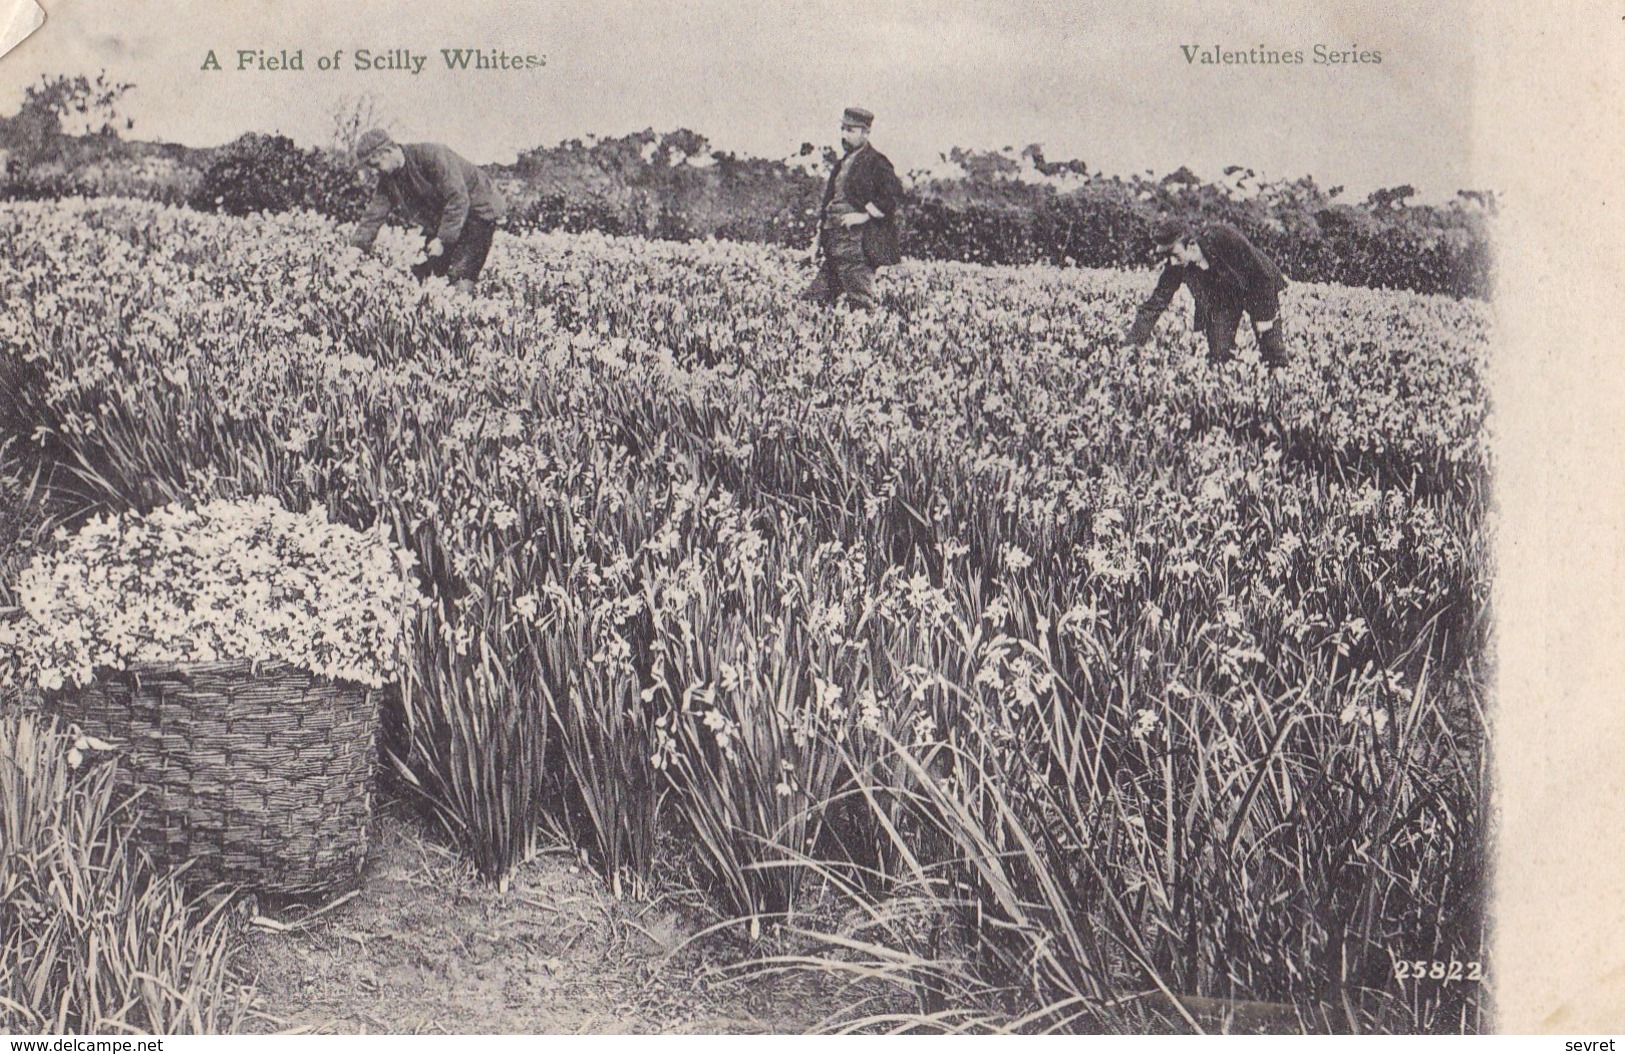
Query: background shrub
x,y
270,173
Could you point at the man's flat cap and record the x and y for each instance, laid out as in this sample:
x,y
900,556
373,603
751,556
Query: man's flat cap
x,y
857,115
1170,230
372,141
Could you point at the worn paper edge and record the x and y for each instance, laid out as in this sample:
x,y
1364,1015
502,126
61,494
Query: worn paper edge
x,y
1549,87
20,18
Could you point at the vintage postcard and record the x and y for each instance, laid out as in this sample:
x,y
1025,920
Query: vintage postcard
x,y
928,516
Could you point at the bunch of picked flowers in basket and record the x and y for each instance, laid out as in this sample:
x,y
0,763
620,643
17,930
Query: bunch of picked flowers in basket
x,y
238,580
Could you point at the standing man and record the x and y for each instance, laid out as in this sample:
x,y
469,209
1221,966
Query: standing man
x,y
450,198
857,224
1227,275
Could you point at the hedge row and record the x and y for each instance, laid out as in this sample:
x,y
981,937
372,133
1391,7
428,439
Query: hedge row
x,y
1098,222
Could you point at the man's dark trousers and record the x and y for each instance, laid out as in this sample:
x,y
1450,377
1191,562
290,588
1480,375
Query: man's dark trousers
x,y
463,259
1223,320
842,268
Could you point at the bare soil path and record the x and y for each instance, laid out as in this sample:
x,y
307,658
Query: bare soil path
x,y
424,947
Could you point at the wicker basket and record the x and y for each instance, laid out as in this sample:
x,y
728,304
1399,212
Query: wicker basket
x,y
263,774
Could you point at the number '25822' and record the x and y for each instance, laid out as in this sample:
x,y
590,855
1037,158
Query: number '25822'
x,y
1435,970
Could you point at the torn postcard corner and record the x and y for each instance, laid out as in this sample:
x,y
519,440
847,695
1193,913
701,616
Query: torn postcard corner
x,y
18,20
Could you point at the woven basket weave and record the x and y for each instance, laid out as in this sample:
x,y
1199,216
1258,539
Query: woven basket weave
x,y
263,774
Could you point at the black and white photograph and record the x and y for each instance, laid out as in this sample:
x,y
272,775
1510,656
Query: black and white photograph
x,y
904,517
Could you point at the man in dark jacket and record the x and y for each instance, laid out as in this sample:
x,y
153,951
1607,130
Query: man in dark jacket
x,y
857,224
1227,275
450,198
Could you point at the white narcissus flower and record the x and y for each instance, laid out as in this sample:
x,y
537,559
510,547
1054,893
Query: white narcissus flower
x,y
227,580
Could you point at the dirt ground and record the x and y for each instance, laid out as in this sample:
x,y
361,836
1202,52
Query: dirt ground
x,y
424,947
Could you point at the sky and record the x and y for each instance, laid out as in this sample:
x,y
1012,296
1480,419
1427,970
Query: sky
x,y
1104,82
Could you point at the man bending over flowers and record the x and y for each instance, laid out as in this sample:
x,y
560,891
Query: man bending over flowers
x,y
1227,275
451,198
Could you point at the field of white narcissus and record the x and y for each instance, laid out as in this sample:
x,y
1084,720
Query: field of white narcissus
x,y
1084,670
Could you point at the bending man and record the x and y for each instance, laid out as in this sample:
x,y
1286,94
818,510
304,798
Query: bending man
x,y
1227,275
449,197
